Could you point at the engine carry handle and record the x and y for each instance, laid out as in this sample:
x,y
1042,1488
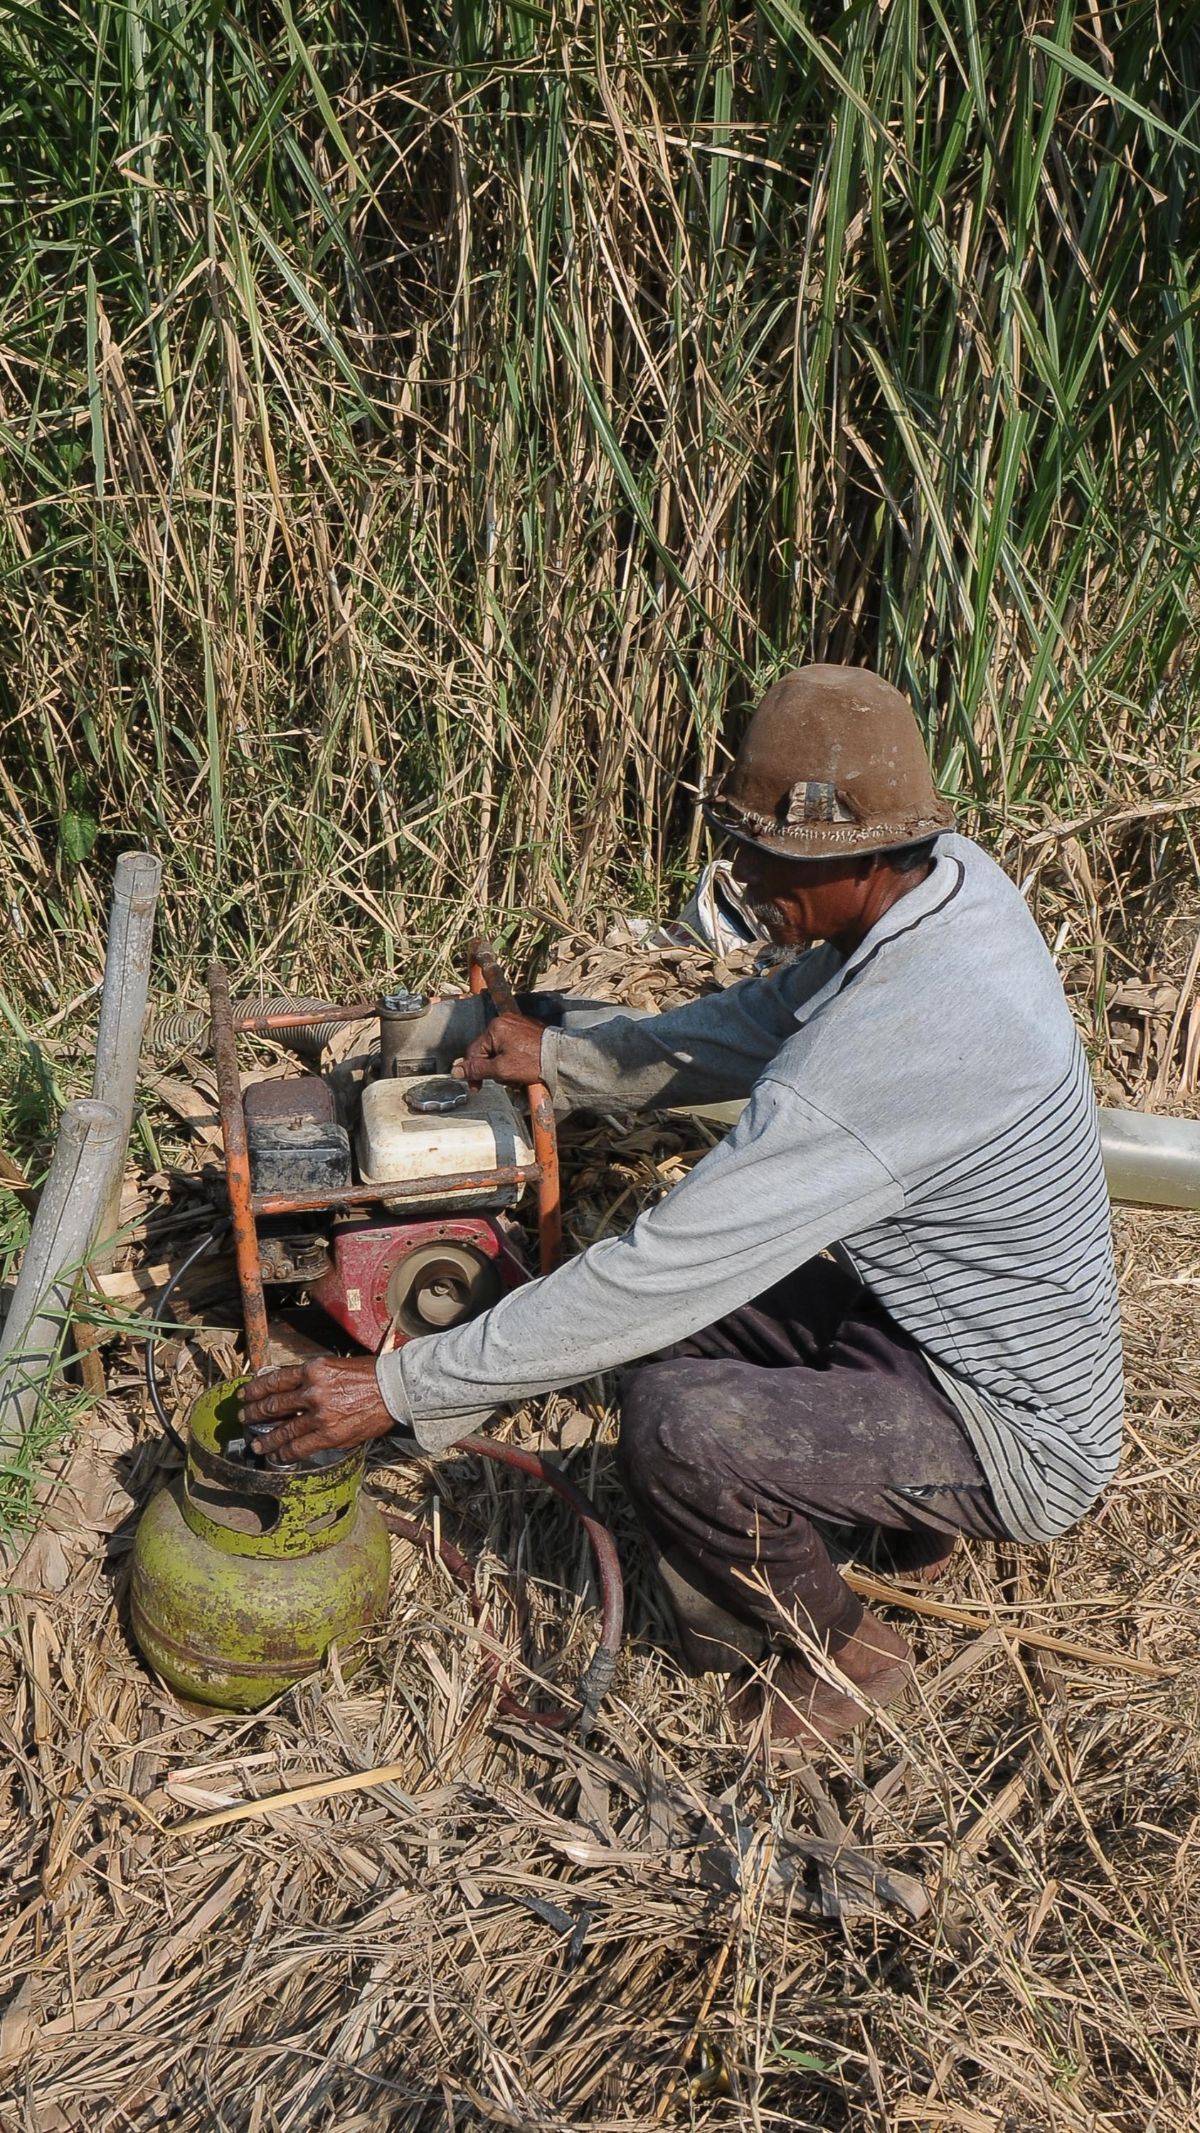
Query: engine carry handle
x,y
486,976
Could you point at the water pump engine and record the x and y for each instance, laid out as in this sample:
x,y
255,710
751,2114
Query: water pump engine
x,y
420,1265
384,1195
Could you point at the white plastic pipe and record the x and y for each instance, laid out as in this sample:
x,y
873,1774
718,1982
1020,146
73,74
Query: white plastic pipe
x,y
123,1008
1149,1160
88,1160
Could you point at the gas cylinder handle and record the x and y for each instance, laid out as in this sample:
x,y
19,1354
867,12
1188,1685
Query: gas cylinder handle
x,y
487,976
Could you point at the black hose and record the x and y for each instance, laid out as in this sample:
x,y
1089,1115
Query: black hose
x,y
157,1315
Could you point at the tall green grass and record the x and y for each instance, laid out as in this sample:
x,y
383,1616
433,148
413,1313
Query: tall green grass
x,y
424,429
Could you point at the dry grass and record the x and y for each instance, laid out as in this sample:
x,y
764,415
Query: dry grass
x,y
986,1921
522,1933
401,491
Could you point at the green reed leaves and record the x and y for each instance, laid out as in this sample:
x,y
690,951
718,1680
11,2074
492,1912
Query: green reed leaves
x,y
422,432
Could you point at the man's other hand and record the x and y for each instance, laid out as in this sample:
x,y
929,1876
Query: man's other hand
x,y
509,1050
330,1403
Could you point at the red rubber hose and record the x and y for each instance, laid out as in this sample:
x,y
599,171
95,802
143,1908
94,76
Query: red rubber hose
x,y
596,1679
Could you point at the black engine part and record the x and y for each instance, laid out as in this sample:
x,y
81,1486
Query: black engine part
x,y
296,1144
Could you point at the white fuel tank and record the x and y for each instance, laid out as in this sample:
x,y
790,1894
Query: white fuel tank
x,y
395,1142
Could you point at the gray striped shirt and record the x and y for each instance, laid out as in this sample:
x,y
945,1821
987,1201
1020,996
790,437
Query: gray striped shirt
x,y
923,1107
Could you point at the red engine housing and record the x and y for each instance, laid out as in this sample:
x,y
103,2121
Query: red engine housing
x,y
409,1278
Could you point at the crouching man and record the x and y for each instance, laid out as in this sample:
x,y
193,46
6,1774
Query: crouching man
x,y
882,1312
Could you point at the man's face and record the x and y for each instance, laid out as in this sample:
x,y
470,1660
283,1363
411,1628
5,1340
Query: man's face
x,y
799,901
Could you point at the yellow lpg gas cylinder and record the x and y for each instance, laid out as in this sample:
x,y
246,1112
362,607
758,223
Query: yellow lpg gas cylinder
x,y
245,1573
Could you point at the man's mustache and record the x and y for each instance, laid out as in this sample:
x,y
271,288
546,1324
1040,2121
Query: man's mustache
x,y
764,913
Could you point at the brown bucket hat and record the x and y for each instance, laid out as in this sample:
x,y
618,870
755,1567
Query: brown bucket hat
x,y
832,763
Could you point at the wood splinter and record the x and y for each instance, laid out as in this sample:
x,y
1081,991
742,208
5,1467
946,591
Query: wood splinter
x,y
869,1588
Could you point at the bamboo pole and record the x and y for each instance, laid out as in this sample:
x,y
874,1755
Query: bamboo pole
x,y
88,1158
136,880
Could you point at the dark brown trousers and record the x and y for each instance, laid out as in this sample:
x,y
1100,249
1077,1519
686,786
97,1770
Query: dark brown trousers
x,y
803,1429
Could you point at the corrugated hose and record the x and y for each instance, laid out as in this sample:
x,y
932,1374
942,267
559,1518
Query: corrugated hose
x,y
187,1029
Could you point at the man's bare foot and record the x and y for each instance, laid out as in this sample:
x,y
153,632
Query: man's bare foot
x,y
806,1712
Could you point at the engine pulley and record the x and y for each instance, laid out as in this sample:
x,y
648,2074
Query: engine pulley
x,y
440,1285
398,1280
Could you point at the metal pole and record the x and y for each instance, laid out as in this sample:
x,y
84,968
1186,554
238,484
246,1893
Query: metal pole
x,y
88,1158
123,1008
449,1187
237,1168
248,1018
485,970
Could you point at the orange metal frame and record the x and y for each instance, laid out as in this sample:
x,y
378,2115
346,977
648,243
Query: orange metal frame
x,y
485,972
245,1204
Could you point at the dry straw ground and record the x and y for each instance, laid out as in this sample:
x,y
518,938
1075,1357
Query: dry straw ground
x,y
423,430
986,1920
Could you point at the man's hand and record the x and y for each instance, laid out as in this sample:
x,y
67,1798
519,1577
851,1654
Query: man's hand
x,y
330,1403
510,1050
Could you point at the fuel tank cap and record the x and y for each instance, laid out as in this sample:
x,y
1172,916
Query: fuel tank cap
x,y
440,1093
403,1006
